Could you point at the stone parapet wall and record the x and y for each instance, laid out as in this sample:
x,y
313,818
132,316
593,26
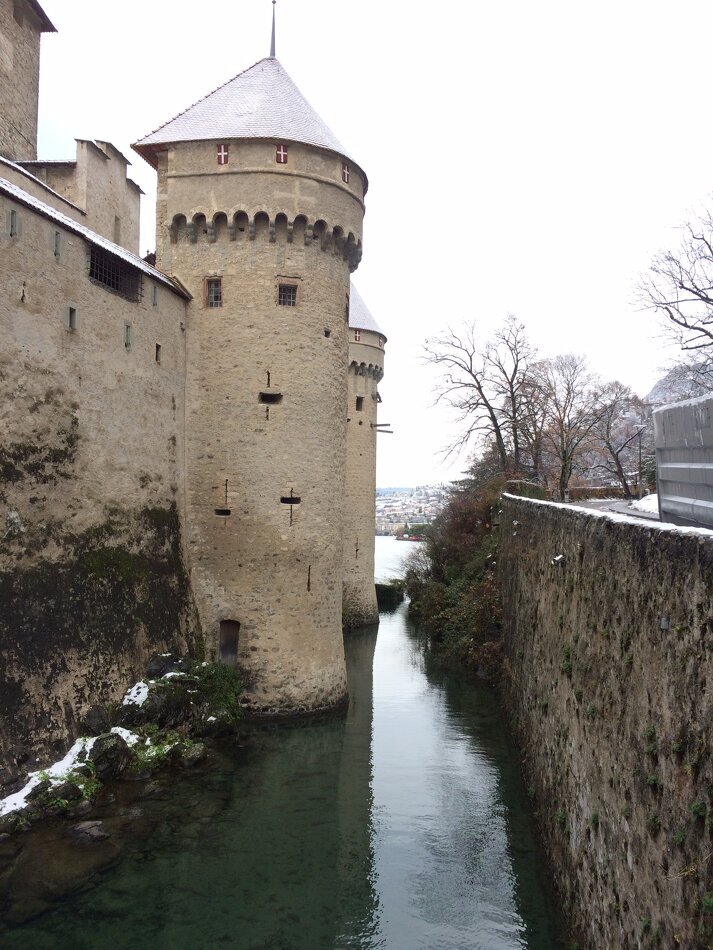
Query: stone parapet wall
x,y
608,626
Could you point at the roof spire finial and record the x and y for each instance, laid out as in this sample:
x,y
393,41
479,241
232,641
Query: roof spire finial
x,y
272,44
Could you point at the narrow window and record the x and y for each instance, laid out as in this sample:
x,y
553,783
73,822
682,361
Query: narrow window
x,y
223,512
117,229
345,172
154,296
222,154
290,500
281,154
214,292
287,295
158,352
228,643
71,319
381,341
359,403
357,336
56,244
13,224
346,309
270,398
127,336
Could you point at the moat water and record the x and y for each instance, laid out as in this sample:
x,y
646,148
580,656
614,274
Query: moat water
x,y
404,824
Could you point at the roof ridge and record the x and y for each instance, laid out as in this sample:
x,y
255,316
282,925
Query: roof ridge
x,y
206,96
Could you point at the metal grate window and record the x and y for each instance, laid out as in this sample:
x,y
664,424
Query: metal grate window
x,y
287,295
116,275
214,292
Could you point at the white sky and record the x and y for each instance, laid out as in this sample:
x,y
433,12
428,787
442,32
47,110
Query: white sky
x,y
523,157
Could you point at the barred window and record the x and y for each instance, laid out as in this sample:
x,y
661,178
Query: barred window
x,y
287,295
214,292
345,172
116,275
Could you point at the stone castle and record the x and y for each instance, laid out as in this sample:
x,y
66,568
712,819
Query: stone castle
x,y
188,446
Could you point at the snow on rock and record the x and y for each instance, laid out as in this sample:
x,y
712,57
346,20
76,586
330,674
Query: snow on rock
x,y
55,773
172,675
648,503
130,738
137,695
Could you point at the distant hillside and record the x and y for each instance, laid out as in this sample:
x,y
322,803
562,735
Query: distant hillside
x,y
679,383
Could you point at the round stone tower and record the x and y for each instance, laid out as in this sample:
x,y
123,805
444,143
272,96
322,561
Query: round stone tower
x,y
259,216
366,367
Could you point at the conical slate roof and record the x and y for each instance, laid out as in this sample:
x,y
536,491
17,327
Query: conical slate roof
x,y
359,316
260,103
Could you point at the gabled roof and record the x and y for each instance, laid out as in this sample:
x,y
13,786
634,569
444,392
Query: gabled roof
x,y
359,316
47,211
260,103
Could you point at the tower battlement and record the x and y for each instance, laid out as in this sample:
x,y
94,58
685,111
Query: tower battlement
x,y
204,226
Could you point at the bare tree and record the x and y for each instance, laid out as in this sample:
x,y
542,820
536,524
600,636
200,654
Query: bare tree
x,y
573,411
487,383
618,432
679,287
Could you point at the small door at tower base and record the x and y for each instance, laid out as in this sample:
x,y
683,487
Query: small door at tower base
x,y
228,642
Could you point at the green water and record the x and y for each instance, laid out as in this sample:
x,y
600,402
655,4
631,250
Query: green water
x,y
402,825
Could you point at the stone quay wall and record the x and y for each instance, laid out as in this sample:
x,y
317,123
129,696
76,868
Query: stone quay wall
x,y
607,627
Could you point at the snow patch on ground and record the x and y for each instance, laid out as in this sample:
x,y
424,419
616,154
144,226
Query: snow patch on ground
x,y
648,503
137,695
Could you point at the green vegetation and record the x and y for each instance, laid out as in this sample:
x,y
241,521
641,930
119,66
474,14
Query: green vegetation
x,y
698,809
220,687
453,584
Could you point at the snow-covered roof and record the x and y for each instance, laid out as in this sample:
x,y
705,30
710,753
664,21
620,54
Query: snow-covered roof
x,y
21,196
359,316
262,102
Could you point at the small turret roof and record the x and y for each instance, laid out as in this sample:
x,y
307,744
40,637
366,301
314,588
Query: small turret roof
x,y
260,103
359,316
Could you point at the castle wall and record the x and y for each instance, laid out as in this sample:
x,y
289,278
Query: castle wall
x,y
272,566
96,182
607,629
19,80
91,485
366,362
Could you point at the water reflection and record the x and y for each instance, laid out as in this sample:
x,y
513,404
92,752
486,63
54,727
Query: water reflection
x,y
400,825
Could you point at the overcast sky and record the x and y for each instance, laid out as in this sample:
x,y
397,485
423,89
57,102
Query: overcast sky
x,y
524,158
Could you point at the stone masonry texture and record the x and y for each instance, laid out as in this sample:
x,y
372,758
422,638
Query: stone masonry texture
x,y
265,399
366,366
19,80
607,631
91,567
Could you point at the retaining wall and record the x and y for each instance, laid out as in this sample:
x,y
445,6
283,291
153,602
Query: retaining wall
x,y
607,626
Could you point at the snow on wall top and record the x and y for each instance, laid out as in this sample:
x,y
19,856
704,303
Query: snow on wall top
x,y
646,524
262,102
47,211
359,316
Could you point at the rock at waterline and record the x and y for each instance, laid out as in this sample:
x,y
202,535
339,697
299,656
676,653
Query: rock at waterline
x,y
110,755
